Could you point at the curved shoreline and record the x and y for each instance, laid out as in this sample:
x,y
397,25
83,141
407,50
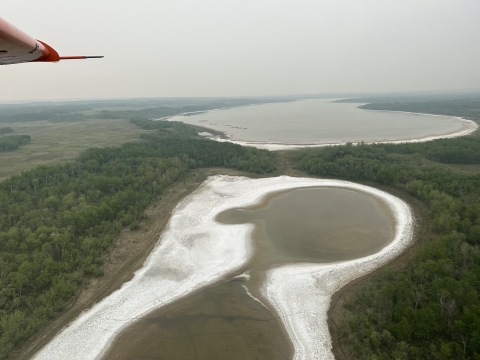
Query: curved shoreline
x,y
467,128
302,293
190,256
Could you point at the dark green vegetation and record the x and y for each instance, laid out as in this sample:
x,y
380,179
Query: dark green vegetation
x,y
465,150
167,128
431,309
13,142
6,130
56,222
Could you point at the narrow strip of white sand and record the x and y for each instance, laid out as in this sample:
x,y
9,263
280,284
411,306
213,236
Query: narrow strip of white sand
x,y
467,127
195,251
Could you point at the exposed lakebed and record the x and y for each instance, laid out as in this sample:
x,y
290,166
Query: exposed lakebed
x,y
323,224
235,289
231,319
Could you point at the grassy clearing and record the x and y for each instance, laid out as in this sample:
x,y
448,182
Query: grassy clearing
x,y
56,143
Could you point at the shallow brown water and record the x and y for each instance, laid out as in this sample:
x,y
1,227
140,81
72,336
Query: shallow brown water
x,y
317,224
220,322
223,321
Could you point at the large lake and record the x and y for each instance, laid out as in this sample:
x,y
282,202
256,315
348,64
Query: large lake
x,y
320,121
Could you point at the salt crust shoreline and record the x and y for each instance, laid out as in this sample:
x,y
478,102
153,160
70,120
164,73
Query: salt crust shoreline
x,y
468,127
195,251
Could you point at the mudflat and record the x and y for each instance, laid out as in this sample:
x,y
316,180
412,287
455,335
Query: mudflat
x,y
231,319
219,322
317,224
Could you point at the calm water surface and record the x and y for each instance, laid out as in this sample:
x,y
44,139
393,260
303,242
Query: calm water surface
x,y
319,121
316,225
224,321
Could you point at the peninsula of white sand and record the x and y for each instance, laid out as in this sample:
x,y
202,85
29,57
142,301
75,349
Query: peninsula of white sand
x,y
195,251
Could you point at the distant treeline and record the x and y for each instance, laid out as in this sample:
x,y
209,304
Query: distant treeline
x,y
68,112
462,150
6,130
431,308
467,108
411,97
57,222
47,112
42,116
160,112
13,142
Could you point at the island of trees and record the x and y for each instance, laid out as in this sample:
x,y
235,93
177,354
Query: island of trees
x,y
13,142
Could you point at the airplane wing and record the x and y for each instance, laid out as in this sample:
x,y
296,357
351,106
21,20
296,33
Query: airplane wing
x,y
18,47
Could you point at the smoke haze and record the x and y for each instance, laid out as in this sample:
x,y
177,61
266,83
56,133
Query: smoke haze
x,y
244,48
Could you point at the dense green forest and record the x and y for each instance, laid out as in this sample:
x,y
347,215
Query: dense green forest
x,y
56,222
6,130
462,150
13,142
431,309
167,128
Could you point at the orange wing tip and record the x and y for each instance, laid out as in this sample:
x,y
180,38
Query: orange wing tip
x,y
48,53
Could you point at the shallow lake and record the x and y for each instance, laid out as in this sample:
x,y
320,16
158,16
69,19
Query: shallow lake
x,y
316,224
231,319
320,121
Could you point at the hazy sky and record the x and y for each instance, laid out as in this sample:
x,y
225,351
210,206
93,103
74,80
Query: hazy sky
x,y
245,47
